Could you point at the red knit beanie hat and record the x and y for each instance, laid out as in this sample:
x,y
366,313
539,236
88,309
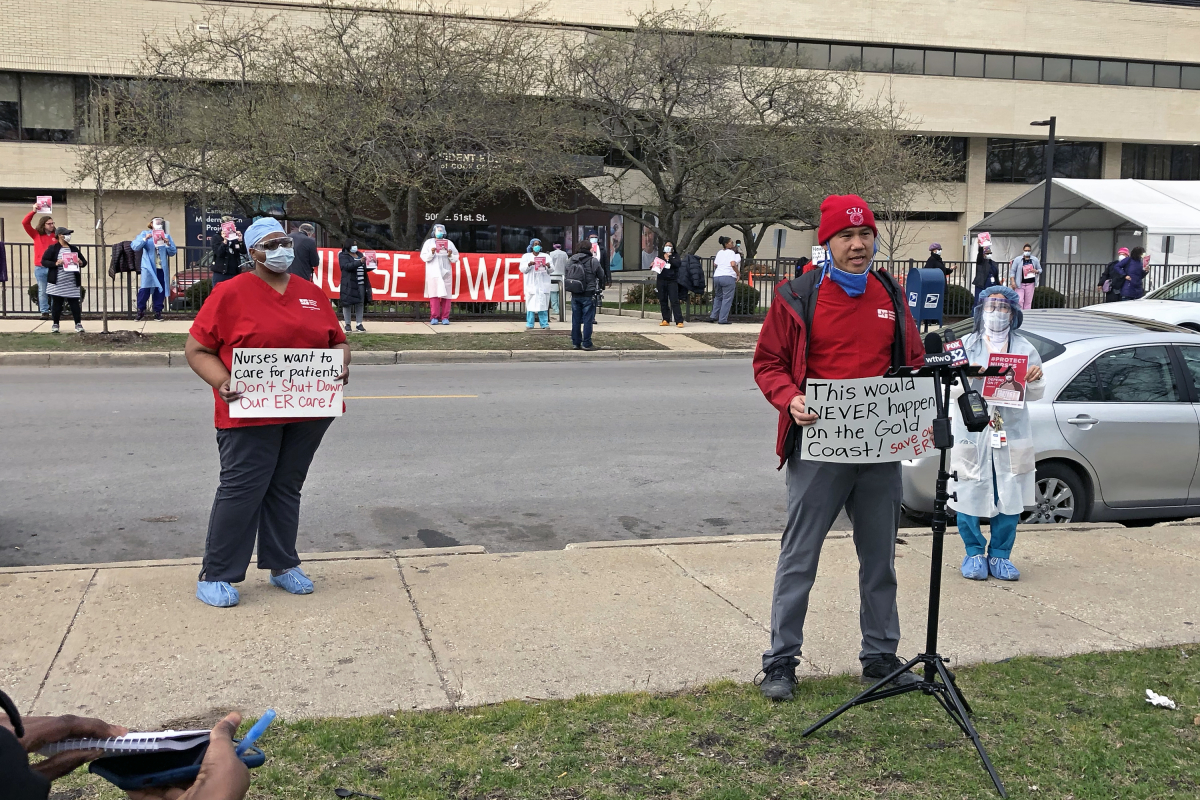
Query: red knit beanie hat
x,y
841,211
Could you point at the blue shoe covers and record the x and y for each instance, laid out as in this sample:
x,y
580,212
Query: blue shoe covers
x,y
218,594
294,581
975,568
1003,569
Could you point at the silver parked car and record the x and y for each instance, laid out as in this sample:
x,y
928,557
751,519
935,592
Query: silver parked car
x,y
1118,430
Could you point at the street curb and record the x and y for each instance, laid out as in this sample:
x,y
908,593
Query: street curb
x,y
774,537
175,358
335,555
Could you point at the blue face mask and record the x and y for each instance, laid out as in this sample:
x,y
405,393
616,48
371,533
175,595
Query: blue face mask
x,y
537,248
852,284
439,235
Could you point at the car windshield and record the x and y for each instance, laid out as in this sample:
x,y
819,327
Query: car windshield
x,y
1186,289
1047,349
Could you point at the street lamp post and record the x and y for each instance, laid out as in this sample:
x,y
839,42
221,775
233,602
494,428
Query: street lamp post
x,y
1049,183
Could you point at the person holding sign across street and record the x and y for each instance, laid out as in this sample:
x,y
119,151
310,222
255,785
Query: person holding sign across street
x,y
840,321
1023,272
439,253
63,281
535,266
995,467
156,247
264,460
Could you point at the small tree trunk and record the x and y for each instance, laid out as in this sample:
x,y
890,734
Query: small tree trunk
x,y
99,209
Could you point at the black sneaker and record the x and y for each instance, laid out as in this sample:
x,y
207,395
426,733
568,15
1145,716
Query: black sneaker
x,y
361,328
879,667
778,680
590,348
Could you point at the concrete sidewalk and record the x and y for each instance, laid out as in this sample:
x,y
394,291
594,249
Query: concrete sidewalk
x,y
459,323
457,627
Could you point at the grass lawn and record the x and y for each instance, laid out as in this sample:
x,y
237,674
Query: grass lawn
x,y
1076,727
129,341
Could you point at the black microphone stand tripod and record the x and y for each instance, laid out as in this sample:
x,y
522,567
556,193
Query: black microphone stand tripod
x,y
939,681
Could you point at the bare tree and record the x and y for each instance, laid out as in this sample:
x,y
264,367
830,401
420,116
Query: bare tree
x,y
103,168
363,118
895,168
703,131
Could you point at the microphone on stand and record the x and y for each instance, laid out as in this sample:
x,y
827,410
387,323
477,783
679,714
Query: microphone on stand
x,y
971,405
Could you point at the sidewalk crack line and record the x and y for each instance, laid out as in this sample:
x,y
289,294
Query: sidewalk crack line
x,y
62,643
724,599
452,695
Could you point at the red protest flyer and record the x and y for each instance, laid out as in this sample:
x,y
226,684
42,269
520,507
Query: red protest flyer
x,y
45,204
1030,271
441,246
159,236
1007,389
371,259
70,261
229,230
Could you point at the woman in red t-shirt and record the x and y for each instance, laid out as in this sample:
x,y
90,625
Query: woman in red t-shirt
x,y
264,460
43,236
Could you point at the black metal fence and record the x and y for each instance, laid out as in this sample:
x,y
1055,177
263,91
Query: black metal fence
x,y
1065,286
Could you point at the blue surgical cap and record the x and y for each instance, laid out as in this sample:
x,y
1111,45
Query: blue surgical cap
x,y
260,228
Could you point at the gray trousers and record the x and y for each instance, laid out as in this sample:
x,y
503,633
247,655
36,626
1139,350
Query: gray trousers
x,y
723,289
356,308
817,492
262,471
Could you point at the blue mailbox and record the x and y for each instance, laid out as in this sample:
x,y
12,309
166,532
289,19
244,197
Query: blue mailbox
x,y
926,290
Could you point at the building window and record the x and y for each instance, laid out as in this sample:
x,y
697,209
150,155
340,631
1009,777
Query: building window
x,y
1085,70
1056,69
1028,68
1160,162
939,62
955,148
877,59
1166,76
813,56
1139,74
38,108
845,56
968,65
10,106
48,108
908,62
997,66
1023,160
1112,73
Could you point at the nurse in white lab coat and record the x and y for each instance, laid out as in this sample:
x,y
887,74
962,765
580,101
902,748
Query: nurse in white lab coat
x,y
439,254
996,474
535,266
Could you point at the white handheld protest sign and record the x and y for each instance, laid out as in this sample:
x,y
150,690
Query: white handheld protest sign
x,y
869,420
286,382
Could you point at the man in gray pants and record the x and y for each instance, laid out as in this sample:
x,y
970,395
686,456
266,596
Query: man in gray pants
x,y
837,323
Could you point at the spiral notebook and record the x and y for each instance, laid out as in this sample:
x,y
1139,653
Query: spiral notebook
x,y
132,743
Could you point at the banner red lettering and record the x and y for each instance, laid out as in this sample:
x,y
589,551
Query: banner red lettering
x,y
400,277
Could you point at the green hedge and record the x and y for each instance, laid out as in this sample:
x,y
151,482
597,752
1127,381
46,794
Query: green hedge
x,y
1045,297
959,302
197,293
745,299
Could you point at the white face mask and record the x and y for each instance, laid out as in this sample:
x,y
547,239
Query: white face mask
x,y
279,259
997,321
66,237
667,249
937,252
354,248
158,226
594,240
1028,254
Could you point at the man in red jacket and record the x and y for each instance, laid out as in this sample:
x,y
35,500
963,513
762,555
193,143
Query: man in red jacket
x,y
842,321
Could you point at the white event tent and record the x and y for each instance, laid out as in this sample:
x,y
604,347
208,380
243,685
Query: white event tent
x,y
1103,215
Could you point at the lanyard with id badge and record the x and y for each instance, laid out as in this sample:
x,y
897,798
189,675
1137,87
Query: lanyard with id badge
x,y
999,435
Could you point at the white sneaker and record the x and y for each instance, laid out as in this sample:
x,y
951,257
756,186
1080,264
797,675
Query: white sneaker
x,y
54,328
79,329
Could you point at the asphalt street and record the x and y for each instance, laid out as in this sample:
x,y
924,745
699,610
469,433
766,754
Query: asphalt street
x,y
121,464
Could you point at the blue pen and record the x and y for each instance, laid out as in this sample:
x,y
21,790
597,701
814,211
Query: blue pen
x,y
256,731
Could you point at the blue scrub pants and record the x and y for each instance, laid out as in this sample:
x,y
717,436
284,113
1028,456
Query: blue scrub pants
x,y
1004,530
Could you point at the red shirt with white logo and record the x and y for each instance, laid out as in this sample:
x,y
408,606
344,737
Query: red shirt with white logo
x,y
851,337
245,312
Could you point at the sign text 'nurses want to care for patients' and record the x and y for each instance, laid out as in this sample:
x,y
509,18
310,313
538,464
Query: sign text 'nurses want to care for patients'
x,y
869,420
286,382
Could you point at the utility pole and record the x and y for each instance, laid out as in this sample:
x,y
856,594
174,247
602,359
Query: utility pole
x,y
1049,152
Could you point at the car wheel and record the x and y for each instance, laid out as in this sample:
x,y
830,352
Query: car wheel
x,y
1060,496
